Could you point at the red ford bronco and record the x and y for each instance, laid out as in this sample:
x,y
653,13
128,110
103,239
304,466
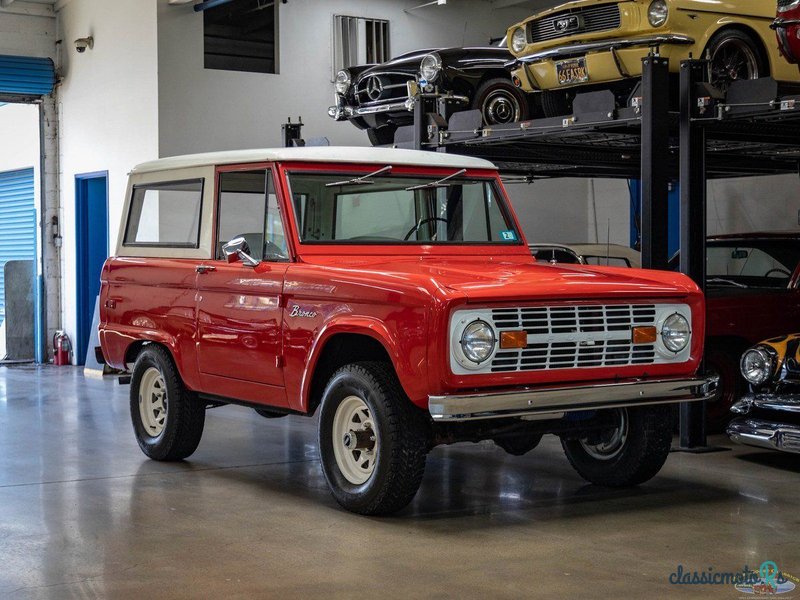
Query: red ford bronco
x,y
393,291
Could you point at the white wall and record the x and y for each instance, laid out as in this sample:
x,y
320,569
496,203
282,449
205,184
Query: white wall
x,y
754,204
218,110
28,29
108,105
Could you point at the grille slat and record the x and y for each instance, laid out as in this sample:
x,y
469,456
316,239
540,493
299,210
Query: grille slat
x,y
591,19
565,337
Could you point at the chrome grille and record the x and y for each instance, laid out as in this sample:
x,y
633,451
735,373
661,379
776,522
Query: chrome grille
x,y
568,337
382,87
604,17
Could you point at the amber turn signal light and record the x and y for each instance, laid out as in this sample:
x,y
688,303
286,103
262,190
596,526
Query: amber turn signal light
x,y
513,339
643,335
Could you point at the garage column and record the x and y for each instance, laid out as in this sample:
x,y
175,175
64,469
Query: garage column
x,y
50,284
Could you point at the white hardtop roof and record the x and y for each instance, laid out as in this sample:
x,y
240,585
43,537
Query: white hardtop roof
x,y
346,154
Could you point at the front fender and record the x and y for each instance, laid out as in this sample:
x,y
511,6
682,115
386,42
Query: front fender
x,y
410,375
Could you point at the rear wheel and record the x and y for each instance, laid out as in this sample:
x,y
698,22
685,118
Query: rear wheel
x,y
500,102
628,454
734,55
373,441
167,418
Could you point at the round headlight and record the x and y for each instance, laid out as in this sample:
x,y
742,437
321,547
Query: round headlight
x,y
430,66
478,341
657,13
675,333
756,365
342,81
518,40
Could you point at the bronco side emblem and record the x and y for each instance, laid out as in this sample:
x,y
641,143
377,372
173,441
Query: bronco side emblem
x,y
299,312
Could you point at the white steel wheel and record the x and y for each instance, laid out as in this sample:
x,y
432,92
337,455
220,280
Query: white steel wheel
x,y
355,440
153,402
611,445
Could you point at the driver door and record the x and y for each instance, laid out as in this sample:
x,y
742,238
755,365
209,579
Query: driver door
x,y
238,306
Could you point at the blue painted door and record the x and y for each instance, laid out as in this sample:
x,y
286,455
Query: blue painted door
x,y
91,214
17,222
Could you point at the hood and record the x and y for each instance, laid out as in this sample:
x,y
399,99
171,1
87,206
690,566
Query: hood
x,y
473,57
481,278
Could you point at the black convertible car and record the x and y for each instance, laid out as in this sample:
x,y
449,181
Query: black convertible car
x,y
376,97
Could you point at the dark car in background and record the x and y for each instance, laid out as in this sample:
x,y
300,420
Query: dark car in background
x,y
377,98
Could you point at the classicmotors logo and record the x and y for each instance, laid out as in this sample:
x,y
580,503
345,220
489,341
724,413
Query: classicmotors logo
x,y
767,580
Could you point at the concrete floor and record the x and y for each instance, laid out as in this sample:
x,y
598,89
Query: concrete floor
x,y
84,514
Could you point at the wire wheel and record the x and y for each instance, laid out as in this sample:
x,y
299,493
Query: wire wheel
x,y
732,58
153,402
355,441
611,442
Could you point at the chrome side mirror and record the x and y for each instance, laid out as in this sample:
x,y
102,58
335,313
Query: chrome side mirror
x,y
239,249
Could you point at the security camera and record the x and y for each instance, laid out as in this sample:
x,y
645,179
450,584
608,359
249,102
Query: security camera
x,y
81,44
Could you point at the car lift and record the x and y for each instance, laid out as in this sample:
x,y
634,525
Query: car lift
x,y
751,130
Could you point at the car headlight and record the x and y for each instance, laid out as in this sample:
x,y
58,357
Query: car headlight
x,y
676,333
477,341
430,67
756,365
518,40
342,81
657,13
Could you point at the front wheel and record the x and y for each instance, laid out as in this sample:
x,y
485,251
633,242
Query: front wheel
x,y
373,441
167,418
734,55
629,453
500,102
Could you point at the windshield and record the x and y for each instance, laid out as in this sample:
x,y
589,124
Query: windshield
x,y
756,263
383,209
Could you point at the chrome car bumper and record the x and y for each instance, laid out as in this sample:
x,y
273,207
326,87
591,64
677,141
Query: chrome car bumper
x,y
341,112
765,434
780,402
580,49
542,401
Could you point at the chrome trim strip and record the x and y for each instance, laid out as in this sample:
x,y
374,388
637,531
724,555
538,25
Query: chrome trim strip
x,y
495,405
783,23
781,402
340,112
578,49
765,434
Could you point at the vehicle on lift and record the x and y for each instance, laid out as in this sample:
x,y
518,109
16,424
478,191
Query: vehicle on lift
x,y
600,44
769,417
378,98
604,255
787,29
393,291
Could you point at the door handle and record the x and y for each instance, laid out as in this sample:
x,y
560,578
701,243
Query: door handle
x,y
205,268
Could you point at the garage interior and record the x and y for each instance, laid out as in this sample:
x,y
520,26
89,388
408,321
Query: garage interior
x,y
85,514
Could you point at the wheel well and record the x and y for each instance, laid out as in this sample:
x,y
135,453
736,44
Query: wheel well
x,y
340,350
133,351
753,34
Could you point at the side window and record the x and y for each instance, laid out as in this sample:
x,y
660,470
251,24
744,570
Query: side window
x,y
248,208
165,215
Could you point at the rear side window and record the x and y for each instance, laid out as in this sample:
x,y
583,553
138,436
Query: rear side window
x,y
165,215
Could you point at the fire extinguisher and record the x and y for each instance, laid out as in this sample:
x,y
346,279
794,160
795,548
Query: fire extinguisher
x,y
62,348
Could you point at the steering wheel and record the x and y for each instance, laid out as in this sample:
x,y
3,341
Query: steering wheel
x,y
781,271
416,227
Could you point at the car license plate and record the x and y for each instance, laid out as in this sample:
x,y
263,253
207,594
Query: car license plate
x,y
572,71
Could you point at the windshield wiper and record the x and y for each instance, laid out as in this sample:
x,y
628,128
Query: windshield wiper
x,y
728,281
364,179
438,183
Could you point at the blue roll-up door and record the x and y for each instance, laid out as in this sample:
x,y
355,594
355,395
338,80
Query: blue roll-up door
x,y
26,76
17,222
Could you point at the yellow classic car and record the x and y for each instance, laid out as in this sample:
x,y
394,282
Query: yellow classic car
x,y
602,42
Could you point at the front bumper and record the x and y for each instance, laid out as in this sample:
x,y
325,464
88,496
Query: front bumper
x,y
606,60
556,400
342,111
765,434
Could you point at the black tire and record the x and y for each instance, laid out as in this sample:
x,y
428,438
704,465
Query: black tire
x,y
557,103
401,435
517,445
185,413
723,49
723,360
638,458
500,101
381,136
270,414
